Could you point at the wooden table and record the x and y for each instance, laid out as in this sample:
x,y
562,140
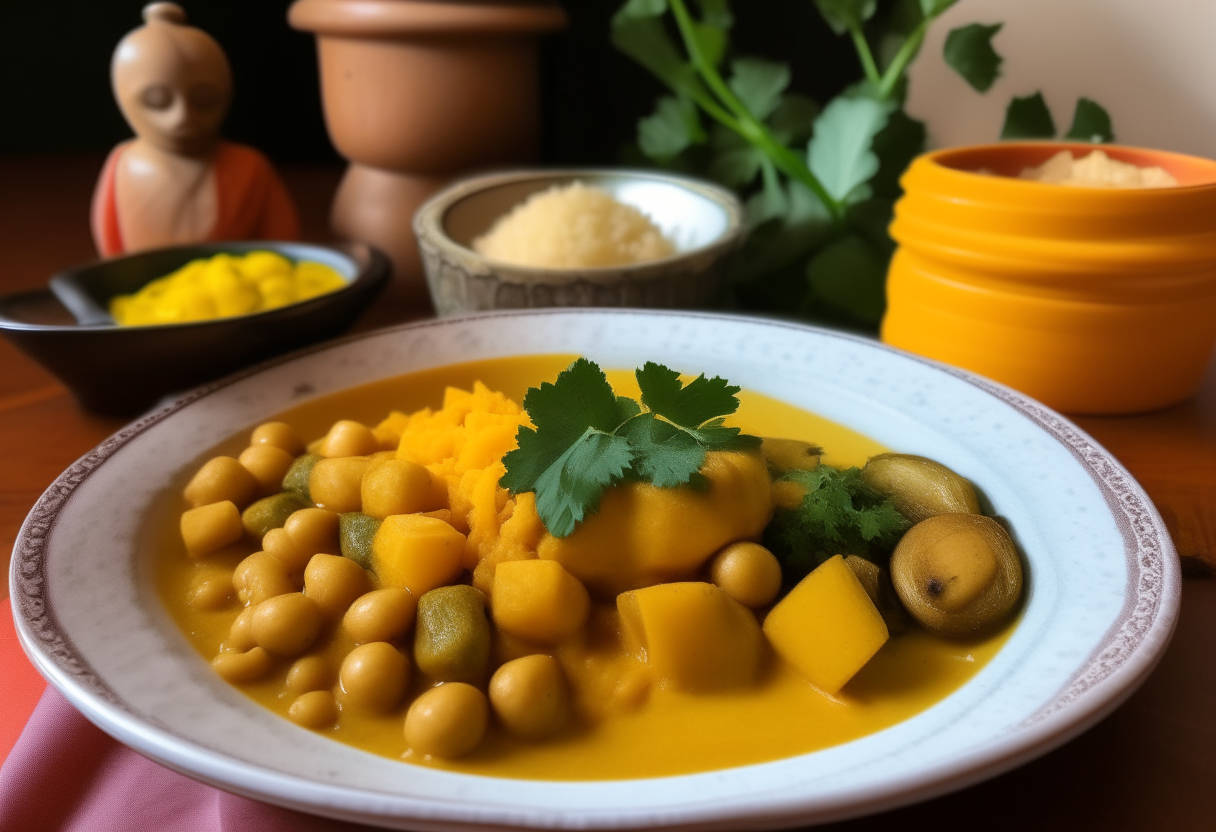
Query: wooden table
x,y
1152,764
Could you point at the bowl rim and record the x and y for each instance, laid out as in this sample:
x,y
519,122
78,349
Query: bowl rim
x,y
368,263
429,221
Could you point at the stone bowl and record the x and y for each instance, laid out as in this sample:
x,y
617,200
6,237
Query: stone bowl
x,y
703,220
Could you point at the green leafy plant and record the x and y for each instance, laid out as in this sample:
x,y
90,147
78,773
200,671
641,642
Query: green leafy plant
x,y
587,438
819,183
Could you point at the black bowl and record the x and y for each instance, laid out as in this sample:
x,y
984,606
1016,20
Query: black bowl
x,y
123,370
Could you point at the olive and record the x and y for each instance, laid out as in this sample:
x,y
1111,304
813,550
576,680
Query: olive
x,y
296,478
356,531
920,487
876,581
957,574
270,513
452,634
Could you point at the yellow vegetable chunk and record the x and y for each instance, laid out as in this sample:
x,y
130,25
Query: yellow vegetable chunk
x,y
644,535
397,486
208,528
538,600
692,635
416,552
827,627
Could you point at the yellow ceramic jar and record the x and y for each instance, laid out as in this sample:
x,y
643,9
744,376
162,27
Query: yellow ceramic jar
x,y
1092,300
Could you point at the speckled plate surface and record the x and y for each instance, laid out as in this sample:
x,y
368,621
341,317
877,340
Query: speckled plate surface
x,y
1103,589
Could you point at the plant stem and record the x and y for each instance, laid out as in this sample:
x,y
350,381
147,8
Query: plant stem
x,y
900,62
866,56
747,125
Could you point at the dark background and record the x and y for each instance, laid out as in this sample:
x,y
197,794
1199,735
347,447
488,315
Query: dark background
x,y
55,88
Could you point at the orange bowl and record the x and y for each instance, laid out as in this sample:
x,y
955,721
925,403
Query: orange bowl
x,y
1092,300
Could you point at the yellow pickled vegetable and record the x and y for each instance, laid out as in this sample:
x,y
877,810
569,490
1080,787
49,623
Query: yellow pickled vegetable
x,y
225,286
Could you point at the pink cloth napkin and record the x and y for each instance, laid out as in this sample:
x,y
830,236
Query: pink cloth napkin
x,y
66,775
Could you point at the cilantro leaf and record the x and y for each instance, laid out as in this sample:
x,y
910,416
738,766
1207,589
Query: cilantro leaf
x,y
843,15
664,455
839,515
571,487
673,127
759,84
933,8
1028,118
688,405
840,151
637,30
969,52
849,274
1090,123
896,145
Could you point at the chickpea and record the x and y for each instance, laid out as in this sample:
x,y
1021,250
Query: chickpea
x,y
240,633
374,677
268,464
747,572
381,615
315,709
309,673
396,486
278,435
261,576
349,438
280,544
238,668
336,484
447,721
221,478
334,582
315,530
529,696
209,528
286,625
210,589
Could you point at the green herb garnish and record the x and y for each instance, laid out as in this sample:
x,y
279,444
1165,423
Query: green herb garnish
x,y
587,438
838,515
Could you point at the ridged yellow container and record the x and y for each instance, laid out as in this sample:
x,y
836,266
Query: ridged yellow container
x,y
1092,300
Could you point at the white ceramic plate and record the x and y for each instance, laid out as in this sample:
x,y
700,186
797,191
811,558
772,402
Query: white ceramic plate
x,y
1103,587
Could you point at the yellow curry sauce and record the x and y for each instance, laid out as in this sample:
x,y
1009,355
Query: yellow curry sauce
x,y
668,732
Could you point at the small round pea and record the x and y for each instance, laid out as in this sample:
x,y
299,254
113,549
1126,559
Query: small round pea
x,y
286,625
278,435
261,576
334,582
268,464
315,709
447,721
747,572
529,696
240,667
309,673
381,615
349,438
314,530
374,677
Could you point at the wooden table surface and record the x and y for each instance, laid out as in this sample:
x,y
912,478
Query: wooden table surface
x,y
1151,764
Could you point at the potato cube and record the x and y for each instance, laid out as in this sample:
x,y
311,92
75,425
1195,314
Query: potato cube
x,y
538,600
336,484
397,486
693,636
416,552
211,527
826,627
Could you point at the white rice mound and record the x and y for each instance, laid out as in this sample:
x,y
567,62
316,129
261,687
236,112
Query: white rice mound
x,y
573,227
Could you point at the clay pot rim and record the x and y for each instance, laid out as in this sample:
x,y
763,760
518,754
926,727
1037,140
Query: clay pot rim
x,y
429,227
419,18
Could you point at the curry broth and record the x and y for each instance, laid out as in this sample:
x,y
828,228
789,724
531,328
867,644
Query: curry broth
x,y
671,732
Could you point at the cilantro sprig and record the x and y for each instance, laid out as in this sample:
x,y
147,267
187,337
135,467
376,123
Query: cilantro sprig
x,y
587,438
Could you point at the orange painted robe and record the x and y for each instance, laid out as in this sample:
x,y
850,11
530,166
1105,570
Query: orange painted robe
x,y
252,202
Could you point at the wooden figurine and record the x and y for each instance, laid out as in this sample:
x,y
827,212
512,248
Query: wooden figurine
x,y
177,181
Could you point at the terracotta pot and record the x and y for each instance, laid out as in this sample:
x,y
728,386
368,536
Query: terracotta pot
x,y
1093,300
415,94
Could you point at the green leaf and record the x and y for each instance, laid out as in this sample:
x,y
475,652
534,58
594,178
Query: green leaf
x,y
664,455
736,168
873,219
896,145
672,128
759,84
933,8
637,29
840,153
571,487
1028,118
716,13
843,15
688,405
969,52
850,274
793,122
1090,123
